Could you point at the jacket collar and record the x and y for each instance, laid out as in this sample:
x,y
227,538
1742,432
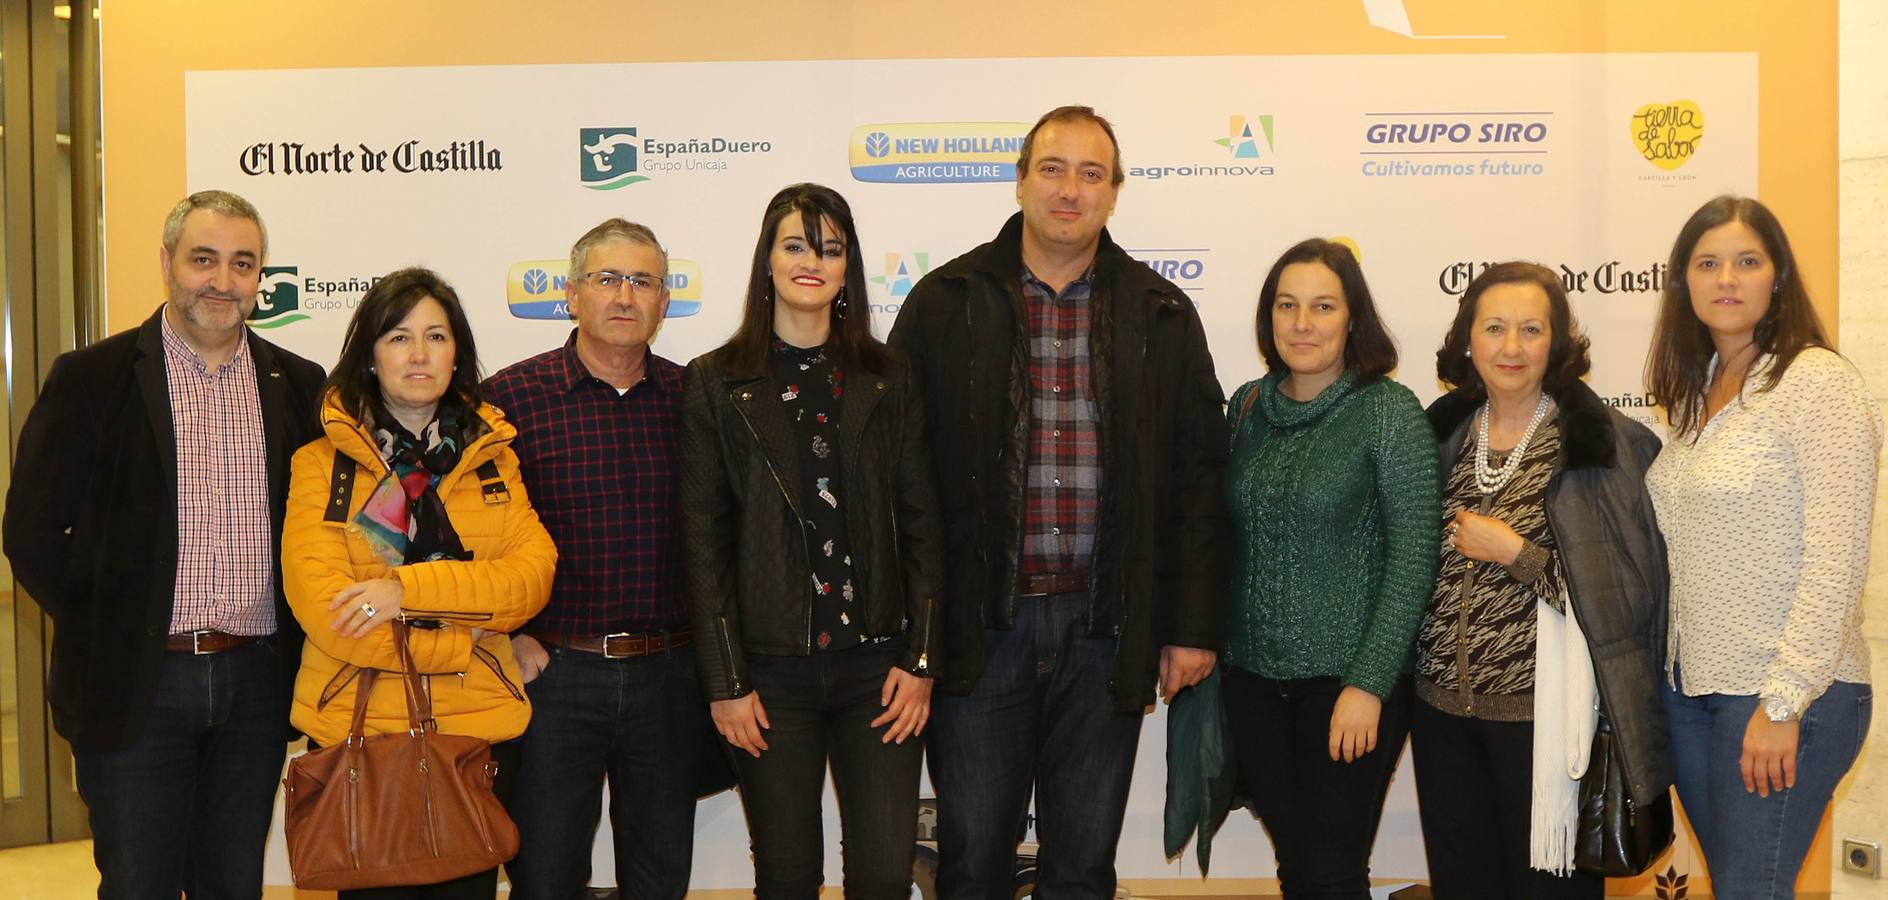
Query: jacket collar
x,y
154,384
1003,257
1586,425
352,439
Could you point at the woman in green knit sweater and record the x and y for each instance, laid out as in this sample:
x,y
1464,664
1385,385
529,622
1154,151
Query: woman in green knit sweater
x,y
1333,490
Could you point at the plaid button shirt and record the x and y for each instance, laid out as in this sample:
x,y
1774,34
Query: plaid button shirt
x,y
601,468
225,539
1062,493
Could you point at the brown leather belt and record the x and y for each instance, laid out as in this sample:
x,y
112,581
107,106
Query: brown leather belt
x,y
207,641
1047,583
622,644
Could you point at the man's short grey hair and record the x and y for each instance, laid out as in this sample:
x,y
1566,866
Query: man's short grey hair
x,y
614,230
223,202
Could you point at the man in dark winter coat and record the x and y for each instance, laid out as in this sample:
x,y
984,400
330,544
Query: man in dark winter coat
x,y
1079,439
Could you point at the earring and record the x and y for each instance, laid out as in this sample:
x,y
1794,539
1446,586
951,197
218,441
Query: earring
x,y
371,370
1469,352
839,305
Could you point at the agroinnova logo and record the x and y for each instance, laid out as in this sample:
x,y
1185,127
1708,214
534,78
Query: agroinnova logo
x,y
278,302
609,158
1243,135
936,152
1241,140
534,289
902,272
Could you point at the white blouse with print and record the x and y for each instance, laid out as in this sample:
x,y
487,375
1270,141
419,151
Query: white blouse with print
x,y
1766,517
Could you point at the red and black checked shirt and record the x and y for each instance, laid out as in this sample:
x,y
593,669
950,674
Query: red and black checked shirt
x,y
225,539
601,469
1062,493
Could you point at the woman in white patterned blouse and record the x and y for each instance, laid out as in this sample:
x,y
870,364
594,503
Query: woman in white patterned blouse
x,y
1764,492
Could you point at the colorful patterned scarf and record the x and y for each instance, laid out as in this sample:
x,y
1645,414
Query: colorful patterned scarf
x,y
404,520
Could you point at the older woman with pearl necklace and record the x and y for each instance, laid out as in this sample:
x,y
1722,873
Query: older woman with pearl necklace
x,y
1550,598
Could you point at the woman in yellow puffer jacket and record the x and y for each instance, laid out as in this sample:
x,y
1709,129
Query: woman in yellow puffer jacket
x,y
424,520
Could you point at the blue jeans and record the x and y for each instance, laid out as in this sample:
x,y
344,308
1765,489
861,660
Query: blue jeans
x,y
820,709
1754,846
1041,716
185,807
642,723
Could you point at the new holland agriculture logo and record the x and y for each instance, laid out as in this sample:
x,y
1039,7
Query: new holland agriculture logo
x,y
534,289
278,303
936,152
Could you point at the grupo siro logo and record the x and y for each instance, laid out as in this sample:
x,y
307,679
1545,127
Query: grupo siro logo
x,y
1611,277
1243,143
1456,144
534,289
278,301
619,156
1185,267
403,157
609,158
1667,134
936,152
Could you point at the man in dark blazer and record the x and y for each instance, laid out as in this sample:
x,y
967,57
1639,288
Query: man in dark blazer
x,y
145,517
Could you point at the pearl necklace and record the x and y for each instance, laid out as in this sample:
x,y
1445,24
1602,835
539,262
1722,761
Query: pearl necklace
x,y
1490,479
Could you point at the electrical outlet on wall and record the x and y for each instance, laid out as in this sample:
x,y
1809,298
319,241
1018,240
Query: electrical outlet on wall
x,y
1861,857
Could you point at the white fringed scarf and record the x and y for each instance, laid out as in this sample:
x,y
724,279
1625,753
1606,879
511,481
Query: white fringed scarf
x,y
1566,715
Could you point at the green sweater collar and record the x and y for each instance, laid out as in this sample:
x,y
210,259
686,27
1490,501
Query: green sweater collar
x,y
1284,412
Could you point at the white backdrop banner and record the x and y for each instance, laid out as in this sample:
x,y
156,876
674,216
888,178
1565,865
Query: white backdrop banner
x,y
1431,166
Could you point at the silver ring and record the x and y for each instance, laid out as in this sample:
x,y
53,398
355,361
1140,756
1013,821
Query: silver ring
x,y
368,608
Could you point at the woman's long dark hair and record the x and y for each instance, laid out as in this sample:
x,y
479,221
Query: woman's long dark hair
x,y
1369,350
1675,369
382,309
851,315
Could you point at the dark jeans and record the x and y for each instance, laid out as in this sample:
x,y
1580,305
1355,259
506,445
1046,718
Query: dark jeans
x,y
1322,815
820,709
643,724
1475,790
476,886
1042,715
1754,845
185,808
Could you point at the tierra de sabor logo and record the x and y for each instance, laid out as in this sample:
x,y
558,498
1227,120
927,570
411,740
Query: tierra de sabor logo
x,y
405,157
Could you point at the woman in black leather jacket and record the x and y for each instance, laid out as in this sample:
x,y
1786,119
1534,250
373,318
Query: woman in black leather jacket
x,y
813,556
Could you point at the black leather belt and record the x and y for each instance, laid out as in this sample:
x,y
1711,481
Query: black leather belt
x,y
207,641
621,644
1046,583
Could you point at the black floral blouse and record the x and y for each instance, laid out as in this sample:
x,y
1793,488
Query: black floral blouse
x,y
810,387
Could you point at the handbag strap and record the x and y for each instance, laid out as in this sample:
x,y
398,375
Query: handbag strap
x,y
1245,410
419,704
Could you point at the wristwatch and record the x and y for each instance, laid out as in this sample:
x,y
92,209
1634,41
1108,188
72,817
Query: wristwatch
x,y
1778,709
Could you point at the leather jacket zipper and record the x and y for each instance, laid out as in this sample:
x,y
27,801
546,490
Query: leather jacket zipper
x,y
491,660
806,633
727,652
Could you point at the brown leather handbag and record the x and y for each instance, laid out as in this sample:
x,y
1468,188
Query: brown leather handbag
x,y
410,808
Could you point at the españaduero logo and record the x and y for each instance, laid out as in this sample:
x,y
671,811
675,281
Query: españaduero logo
x,y
1667,133
534,289
936,152
278,301
609,158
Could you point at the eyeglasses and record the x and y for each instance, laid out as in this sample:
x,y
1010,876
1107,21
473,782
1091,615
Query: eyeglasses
x,y
608,282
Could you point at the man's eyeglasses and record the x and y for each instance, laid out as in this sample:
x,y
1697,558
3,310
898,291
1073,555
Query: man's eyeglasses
x,y
608,282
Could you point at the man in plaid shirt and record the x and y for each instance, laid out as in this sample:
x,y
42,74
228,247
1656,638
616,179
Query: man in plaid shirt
x,y
1079,441
146,518
609,664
